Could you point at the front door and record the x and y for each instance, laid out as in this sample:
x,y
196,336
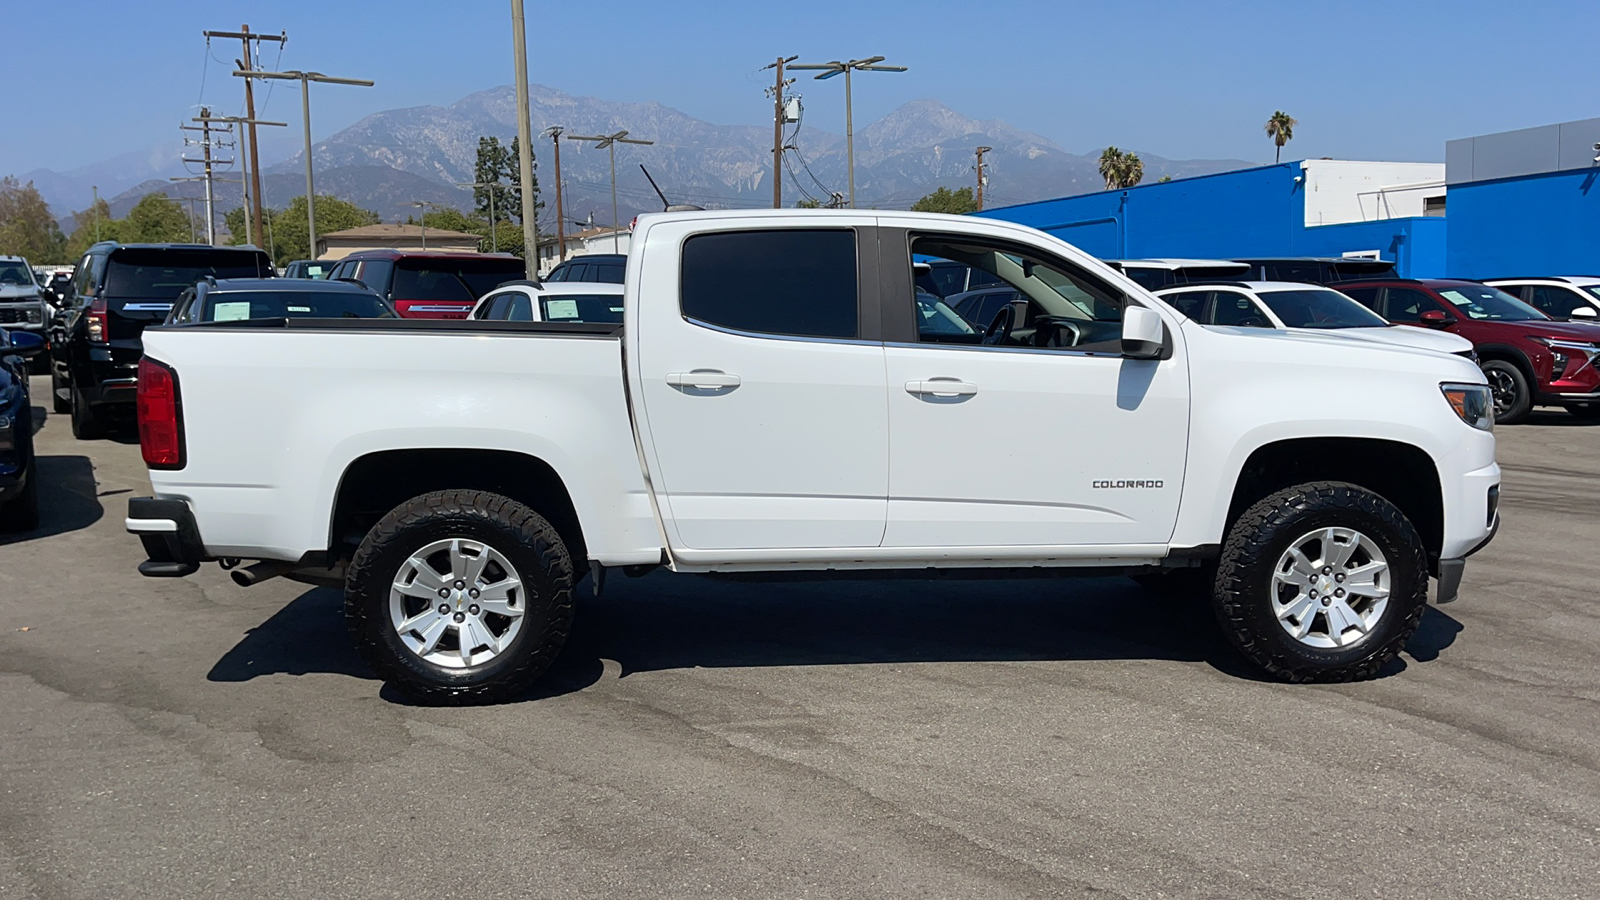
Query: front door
x,y
763,392
1031,429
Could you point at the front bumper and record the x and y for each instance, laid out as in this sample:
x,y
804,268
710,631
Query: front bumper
x,y
1448,585
169,534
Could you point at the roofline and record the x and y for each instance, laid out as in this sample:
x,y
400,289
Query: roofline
x,y
1292,164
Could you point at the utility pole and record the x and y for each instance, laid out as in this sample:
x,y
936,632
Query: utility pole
x,y
246,184
530,225
609,142
777,130
555,131
253,207
981,176
96,208
830,69
205,130
422,218
305,79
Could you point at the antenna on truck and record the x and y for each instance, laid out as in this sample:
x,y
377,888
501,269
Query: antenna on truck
x,y
667,206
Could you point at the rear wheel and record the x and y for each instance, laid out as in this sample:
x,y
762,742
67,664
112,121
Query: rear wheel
x,y
87,425
1322,582
62,405
460,597
1513,398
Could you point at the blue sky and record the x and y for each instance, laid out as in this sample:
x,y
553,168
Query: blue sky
x,y
1374,80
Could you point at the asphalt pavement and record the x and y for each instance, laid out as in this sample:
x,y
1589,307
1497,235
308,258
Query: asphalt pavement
x,y
702,738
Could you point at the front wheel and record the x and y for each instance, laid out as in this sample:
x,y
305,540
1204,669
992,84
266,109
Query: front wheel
x,y
460,597
1322,582
1513,398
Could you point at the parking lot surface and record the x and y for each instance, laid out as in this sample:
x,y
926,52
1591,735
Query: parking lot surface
x,y
702,738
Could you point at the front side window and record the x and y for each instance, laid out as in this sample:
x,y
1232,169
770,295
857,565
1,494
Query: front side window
x,y
1190,303
1319,308
1056,304
1408,304
1556,302
1489,304
1238,310
799,283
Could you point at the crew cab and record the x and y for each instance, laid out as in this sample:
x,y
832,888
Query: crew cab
x,y
781,398
423,285
1528,359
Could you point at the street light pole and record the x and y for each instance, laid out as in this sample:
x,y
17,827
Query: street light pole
x,y
830,69
494,228
610,142
305,79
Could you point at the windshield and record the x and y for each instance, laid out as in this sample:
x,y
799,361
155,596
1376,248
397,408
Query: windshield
x,y
164,274
934,317
448,279
604,308
1489,304
1593,289
1319,309
15,273
235,305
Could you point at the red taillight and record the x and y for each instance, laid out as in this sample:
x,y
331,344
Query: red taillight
x,y
97,320
160,416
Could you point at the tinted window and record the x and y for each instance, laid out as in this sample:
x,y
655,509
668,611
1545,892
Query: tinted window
x,y
1319,308
773,282
1408,304
1190,303
608,273
464,280
1308,272
604,308
1556,302
163,274
1236,309
374,273
1150,279
15,273
1366,296
235,305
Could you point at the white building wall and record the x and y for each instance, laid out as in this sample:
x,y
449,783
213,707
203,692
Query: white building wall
x,y
1340,190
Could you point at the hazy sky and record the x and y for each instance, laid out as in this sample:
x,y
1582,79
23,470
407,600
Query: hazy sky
x,y
1367,80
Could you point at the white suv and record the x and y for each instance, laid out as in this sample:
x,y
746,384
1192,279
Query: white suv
x,y
587,302
1292,306
1559,297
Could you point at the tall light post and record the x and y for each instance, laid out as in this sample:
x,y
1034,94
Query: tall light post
x,y
610,142
830,69
494,228
422,217
305,79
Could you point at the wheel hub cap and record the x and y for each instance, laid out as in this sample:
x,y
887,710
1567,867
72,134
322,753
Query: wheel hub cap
x,y
1331,588
457,603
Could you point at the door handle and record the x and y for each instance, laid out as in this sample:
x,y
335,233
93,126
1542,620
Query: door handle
x,y
942,387
704,379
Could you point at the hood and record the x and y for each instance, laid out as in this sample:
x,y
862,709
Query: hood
x,y
1401,336
10,293
1567,331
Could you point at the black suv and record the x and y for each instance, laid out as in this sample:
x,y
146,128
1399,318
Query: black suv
x,y
607,268
118,289
1324,270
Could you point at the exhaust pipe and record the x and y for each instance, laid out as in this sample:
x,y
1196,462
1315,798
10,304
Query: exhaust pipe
x,y
245,576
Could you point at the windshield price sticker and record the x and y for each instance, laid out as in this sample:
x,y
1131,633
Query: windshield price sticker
x,y
231,311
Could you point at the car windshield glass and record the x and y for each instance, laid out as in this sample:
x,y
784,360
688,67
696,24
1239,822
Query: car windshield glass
x,y
1593,289
235,305
15,273
1319,309
164,274
450,279
1489,304
603,308
934,317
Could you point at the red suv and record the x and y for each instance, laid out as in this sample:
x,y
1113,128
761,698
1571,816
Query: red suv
x,y
1527,358
430,285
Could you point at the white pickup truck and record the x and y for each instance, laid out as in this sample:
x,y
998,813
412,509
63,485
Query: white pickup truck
x,y
781,397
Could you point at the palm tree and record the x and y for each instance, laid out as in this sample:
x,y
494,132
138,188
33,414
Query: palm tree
x,y
1132,170
1110,166
1281,129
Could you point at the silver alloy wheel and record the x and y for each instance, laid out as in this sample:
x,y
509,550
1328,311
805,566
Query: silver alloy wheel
x,y
1503,388
1331,588
457,603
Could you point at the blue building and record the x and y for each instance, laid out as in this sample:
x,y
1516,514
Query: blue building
x,y
1519,203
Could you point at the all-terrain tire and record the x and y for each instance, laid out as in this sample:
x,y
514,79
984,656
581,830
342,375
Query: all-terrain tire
x,y
524,537
1514,396
87,425
1260,537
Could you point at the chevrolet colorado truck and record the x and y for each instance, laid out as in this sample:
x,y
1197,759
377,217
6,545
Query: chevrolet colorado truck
x,y
780,398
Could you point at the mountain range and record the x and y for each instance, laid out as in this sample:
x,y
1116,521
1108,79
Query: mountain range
x,y
391,160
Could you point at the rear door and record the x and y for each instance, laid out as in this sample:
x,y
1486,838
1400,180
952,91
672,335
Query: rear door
x,y
760,385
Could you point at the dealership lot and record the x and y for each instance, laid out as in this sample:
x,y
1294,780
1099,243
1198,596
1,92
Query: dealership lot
x,y
711,738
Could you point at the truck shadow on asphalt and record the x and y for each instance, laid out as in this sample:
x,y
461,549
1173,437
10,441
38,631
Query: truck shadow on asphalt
x,y
67,498
664,622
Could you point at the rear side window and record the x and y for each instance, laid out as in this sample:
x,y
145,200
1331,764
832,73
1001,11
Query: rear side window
x,y
608,273
800,283
374,273
1366,296
1556,302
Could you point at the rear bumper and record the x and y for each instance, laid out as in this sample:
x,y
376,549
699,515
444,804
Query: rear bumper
x,y
171,539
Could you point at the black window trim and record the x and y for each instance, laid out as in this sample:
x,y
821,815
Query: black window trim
x,y
868,318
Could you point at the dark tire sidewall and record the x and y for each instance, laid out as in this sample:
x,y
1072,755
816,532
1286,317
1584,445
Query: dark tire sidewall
x,y
547,601
1524,405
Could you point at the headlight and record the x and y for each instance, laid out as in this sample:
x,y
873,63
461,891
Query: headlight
x,y
1566,352
1472,402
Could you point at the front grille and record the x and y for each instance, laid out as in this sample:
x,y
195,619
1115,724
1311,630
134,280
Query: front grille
x,y
12,316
